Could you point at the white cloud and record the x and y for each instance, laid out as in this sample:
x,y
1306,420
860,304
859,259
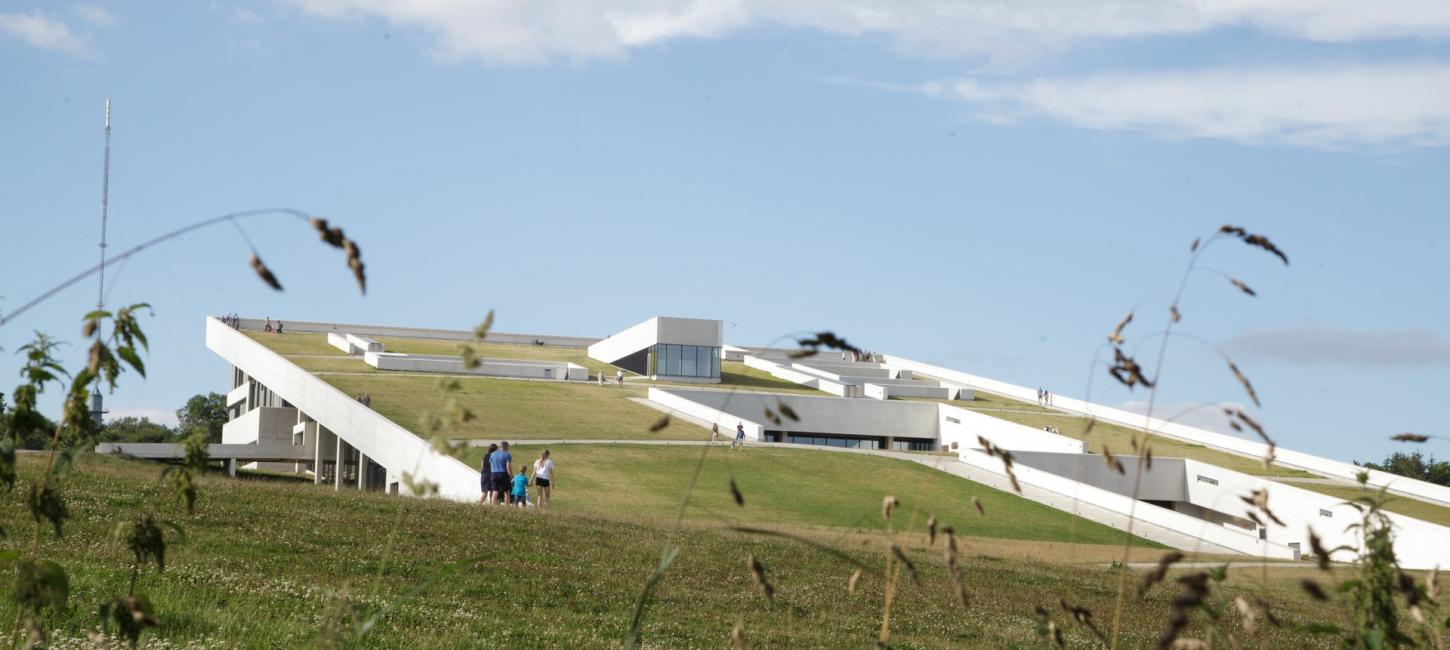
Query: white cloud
x,y
96,15
534,31
1320,346
1380,105
1203,416
46,33
245,16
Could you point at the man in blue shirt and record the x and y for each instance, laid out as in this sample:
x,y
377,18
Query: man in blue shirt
x,y
500,464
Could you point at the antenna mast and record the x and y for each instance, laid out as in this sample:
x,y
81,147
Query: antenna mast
x,y
105,197
97,409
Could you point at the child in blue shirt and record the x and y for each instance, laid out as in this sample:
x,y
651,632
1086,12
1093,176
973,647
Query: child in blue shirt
x,y
521,492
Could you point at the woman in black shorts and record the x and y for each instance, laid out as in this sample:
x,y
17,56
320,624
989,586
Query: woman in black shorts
x,y
544,479
485,481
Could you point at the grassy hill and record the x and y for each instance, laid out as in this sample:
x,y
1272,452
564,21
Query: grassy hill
x,y
270,564
795,487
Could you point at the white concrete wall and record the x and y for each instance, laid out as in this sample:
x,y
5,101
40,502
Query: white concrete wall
x,y
913,389
516,368
781,371
1227,537
820,414
386,443
362,344
1007,435
680,401
1212,439
1418,544
732,353
839,372
1165,481
262,424
422,333
238,395
339,341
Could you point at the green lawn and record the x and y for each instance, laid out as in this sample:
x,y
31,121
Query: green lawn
x,y
269,564
506,409
1116,438
1407,506
305,347
796,487
512,410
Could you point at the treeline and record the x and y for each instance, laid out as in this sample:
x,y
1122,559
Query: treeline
x,y
1413,465
207,412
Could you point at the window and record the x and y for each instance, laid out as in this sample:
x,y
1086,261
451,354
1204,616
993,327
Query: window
x,y
686,360
912,445
1205,479
844,443
1325,513
953,420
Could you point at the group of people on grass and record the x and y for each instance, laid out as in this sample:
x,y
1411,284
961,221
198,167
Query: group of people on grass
x,y
738,442
1044,398
233,321
504,486
273,328
618,378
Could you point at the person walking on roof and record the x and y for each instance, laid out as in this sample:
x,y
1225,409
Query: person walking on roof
x,y
500,465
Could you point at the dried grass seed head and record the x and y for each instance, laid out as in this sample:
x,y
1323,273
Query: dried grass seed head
x,y
265,273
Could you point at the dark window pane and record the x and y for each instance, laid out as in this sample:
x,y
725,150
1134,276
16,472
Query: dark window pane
x,y
687,361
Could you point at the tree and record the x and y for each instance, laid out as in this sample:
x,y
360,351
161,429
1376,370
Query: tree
x,y
33,439
1414,465
206,412
134,429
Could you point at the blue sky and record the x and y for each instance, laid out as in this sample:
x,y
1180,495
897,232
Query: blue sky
x,y
988,185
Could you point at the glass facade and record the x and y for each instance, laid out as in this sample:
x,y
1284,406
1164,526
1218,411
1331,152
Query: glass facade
x,y
685,360
913,445
849,443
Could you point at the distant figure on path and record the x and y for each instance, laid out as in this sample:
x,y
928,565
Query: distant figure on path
x,y
485,476
544,479
501,466
739,436
601,377
269,324
619,378
279,327
520,494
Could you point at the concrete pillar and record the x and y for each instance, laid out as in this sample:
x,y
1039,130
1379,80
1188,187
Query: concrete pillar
x,y
231,467
362,471
337,465
317,458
